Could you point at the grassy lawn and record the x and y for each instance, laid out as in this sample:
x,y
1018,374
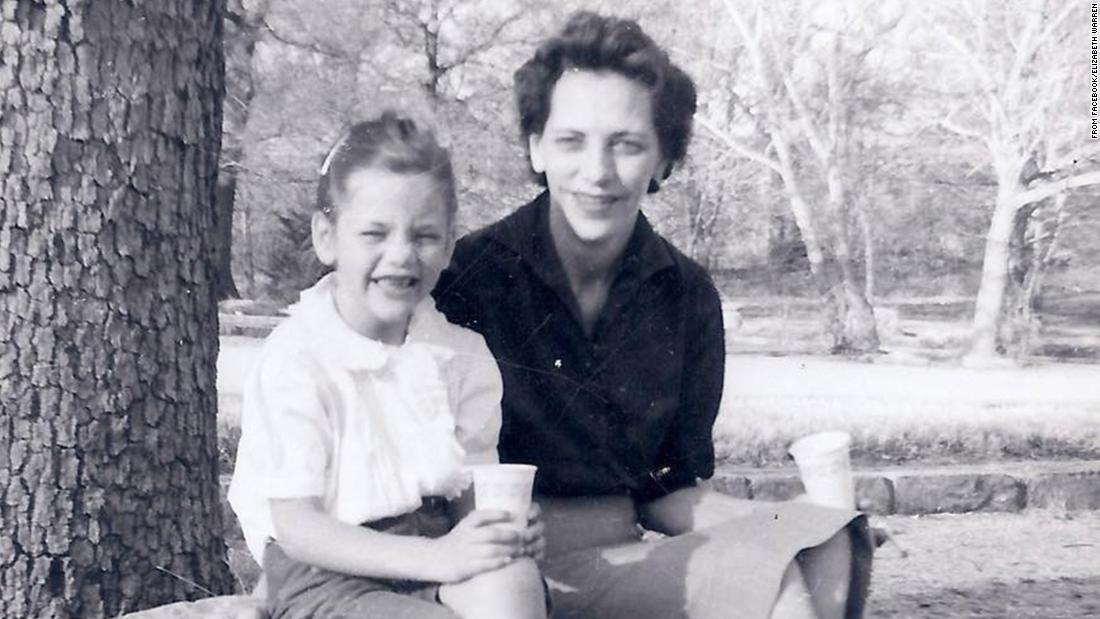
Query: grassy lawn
x,y
901,414
898,412
914,402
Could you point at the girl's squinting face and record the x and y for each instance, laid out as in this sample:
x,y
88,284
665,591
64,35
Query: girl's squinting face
x,y
599,150
388,242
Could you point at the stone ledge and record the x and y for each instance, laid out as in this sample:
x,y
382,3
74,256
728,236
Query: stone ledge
x,y
222,607
1079,490
958,493
246,325
1000,487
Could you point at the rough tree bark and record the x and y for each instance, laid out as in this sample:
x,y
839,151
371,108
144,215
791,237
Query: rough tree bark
x,y
110,119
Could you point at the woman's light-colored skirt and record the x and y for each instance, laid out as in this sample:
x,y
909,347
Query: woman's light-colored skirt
x,y
598,566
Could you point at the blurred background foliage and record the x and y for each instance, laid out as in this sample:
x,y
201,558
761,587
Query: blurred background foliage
x,y
852,151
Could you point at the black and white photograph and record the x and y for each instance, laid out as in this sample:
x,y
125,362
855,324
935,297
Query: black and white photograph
x,y
581,309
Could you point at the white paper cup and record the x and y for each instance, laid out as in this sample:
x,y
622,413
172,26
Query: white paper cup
x,y
506,487
826,468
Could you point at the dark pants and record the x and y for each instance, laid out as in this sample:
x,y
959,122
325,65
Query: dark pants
x,y
300,591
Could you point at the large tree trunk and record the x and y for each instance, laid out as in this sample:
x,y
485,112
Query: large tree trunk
x,y
989,307
848,317
111,113
868,237
702,215
224,201
243,28
1034,238
859,333
991,291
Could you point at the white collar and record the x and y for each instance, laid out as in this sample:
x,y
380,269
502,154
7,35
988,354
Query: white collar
x,y
337,342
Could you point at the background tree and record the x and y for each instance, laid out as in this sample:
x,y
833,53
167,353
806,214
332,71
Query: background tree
x,y
447,62
835,110
108,162
1015,75
243,27
796,85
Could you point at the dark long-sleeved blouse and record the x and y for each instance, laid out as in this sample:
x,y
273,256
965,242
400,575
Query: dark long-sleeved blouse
x,y
628,409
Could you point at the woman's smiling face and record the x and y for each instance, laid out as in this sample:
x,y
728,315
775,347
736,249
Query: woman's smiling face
x,y
599,151
388,242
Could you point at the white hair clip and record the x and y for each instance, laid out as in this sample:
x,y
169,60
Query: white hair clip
x,y
331,154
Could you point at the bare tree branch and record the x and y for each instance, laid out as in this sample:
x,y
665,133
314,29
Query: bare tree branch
x,y
950,125
977,68
312,46
1054,24
1047,190
491,40
736,146
751,38
816,144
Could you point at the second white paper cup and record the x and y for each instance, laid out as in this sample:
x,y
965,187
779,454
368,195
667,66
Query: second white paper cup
x,y
506,487
826,468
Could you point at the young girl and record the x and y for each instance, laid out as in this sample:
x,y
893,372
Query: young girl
x,y
367,403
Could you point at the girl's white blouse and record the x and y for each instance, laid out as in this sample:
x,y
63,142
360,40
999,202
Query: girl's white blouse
x,y
369,428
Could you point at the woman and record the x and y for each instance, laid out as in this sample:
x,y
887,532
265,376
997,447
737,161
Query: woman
x,y
611,346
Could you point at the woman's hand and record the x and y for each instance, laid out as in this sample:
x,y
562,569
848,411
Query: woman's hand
x,y
483,541
534,540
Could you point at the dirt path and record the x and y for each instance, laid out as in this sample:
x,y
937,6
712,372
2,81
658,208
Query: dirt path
x,y
1037,564
1034,565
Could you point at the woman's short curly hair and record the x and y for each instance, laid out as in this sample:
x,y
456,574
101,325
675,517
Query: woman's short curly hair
x,y
599,43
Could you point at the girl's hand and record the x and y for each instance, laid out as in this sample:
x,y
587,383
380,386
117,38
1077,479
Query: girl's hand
x,y
483,541
534,542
